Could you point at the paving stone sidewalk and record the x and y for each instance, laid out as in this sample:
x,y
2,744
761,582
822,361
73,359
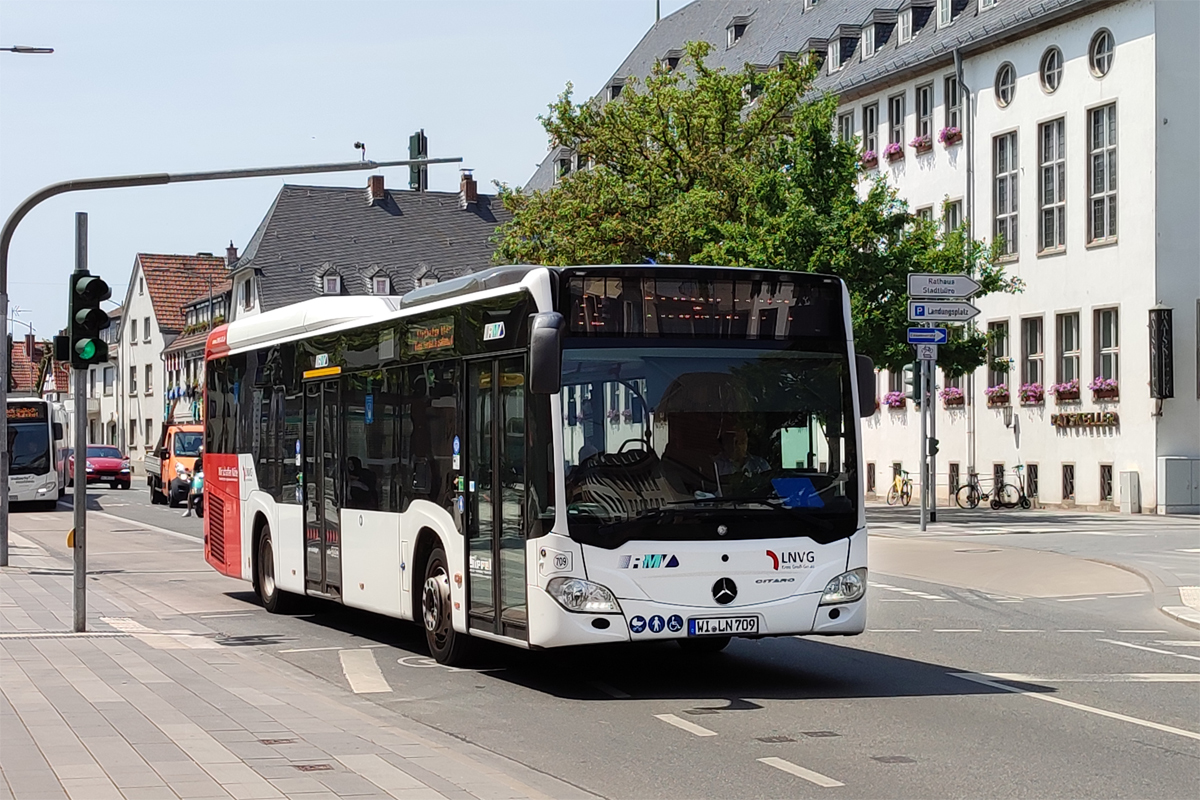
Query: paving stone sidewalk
x,y
137,709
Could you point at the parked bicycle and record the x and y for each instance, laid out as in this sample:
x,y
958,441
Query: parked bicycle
x,y
1012,495
901,490
971,493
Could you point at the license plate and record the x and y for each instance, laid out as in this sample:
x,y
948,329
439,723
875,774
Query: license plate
x,y
722,626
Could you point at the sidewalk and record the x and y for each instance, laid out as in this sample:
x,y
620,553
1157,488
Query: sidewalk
x,y
149,704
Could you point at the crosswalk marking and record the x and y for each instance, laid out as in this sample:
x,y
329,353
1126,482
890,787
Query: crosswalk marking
x,y
1151,649
362,672
683,724
801,772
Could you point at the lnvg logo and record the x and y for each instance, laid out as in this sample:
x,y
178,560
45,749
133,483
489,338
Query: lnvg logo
x,y
648,561
796,559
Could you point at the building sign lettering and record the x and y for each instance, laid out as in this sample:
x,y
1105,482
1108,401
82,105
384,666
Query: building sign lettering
x,y
1085,419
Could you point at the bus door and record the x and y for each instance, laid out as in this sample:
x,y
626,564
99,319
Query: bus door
x,y
322,487
495,496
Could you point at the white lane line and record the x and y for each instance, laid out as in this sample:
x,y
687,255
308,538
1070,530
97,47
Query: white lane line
x,y
683,724
1151,649
222,616
1119,596
1081,630
1137,631
1181,643
957,630
1020,630
611,691
362,671
801,772
899,600
1130,677
1010,601
308,649
1188,550
978,678
1073,599
890,630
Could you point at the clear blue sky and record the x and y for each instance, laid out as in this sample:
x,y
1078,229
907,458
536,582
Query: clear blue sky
x,y
168,86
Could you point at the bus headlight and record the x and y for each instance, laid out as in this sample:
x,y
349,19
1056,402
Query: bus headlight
x,y
576,594
845,588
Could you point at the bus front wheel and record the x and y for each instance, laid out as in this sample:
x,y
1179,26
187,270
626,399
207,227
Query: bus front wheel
x,y
274,599
446,645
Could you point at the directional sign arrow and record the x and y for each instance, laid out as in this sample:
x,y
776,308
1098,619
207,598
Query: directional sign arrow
x,y
940,311
932,285
927,336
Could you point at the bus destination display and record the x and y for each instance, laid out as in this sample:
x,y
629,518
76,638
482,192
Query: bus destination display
x,y
432,336
27,412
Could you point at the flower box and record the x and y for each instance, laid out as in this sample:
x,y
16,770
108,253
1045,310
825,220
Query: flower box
x,y
1104,389
950,136
952,396
869,159
893,152
997,395
954,402
1066,397
922,144
1032,394
999,401
896,401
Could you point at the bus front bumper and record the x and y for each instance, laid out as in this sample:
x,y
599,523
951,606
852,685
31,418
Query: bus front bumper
x,y
31,488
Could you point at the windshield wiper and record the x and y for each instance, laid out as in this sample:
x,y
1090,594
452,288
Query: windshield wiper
x,y
775,504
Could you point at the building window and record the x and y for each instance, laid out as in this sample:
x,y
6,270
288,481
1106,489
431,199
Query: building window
x,y
984,5
1068,481
141,285
1032,350
1108,344
108,380
897,468
925,111
133,337
846,126
945,12
133,433
868,42
1007,191
146,330
563,168
248,293
1106,492
1102,169
870,477
953,103
896,120
952,381
834,58
1067,326
870,139
381,284
1006,84
614,90
997,478
133,380
1051,69
1052,190
332,284
91,391
1100,53
669,63
1031,480
925,213
895,381
998,354
735,32
952,217
150,437
149,378
955,478
906,31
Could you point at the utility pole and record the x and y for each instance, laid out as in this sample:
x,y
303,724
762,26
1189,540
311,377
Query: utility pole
x,y
79,499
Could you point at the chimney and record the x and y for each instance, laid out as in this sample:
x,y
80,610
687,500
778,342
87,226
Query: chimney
x,y
230,254
30,347
375,190
468,191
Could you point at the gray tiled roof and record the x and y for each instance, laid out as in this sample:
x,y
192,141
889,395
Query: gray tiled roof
x,y
782,28
310,230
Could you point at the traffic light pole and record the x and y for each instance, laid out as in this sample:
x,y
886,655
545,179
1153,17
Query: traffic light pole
x,y
119,182
931,443
923,393
79,422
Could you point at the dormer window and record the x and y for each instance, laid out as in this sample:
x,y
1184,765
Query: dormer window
x,y
614,89
868,42
984,5
809,5
331,284
834,59
562,167
671,60
381,284
945,12
736,32
906,26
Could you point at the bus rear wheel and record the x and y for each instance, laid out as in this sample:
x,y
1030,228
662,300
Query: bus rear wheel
x,y
274,599
705,645
446,645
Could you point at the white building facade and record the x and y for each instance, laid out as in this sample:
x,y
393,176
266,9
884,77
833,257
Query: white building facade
x,y
1078,149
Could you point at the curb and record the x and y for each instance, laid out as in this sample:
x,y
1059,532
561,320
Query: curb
x,y
1163,595
1183,614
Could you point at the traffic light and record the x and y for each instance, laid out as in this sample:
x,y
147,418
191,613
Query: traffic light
x,y
933,446
88,319
418,175
912,382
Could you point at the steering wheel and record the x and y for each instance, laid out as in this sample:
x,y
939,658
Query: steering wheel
x,y
639,441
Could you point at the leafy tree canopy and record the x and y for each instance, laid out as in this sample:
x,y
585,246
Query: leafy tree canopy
x,y
710,166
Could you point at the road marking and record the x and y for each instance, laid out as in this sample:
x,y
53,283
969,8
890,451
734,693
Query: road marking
x,y
1188,550
1181,643
1081,630
1151,649
1010,601
683,724
308,649
1119,596
1073,599
1131,677
1020,630
1138,631
363,672
957,630
899,600
222,616
611,691
801,772
188,537
983,679
891,630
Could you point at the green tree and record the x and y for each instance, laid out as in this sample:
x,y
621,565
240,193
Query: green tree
x,y
740,168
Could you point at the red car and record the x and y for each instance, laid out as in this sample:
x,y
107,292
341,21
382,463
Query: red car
x,y
105,464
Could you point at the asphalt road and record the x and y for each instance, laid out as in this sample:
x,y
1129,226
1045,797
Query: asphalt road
x,y
953,692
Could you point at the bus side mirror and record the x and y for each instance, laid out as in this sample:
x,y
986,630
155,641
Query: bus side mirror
x,y
866,385
58,430
545,352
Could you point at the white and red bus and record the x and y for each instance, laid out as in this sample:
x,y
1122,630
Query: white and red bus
x,y
37,451
550,456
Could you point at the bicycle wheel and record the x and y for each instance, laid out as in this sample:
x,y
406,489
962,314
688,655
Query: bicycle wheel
x,y
906,493
1026,503
892,495
967,497
1009,496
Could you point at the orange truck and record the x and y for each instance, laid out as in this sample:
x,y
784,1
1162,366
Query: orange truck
x,y
169,466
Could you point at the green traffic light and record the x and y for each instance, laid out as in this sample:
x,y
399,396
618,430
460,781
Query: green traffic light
x,y
86,348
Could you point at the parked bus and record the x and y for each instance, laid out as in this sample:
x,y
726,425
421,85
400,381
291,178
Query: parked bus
x,y
550,456
37,456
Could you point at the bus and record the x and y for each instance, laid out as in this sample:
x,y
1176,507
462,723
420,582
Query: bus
x,y
550,456
37,456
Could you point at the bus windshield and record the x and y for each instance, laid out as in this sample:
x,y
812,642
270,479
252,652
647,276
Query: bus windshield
x,y
661,442
28,448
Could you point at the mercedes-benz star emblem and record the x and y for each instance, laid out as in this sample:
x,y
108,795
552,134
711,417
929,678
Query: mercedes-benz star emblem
x,y
724,591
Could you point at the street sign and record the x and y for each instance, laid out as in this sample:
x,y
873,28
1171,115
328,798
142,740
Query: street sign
x,y
929,285
927,336
927,352
940,311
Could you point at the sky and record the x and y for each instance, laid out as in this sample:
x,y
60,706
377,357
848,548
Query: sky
x,y
172,86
